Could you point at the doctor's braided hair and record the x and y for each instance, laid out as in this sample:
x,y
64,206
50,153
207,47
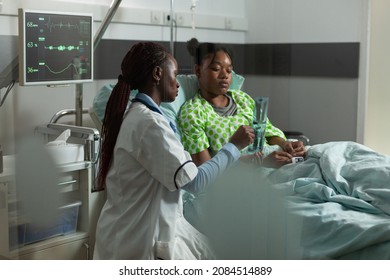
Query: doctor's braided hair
x,y
137,70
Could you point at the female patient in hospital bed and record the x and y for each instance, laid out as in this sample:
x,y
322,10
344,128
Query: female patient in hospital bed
x,y
217,86
208,119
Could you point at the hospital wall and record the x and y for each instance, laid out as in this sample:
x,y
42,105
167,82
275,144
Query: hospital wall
x,y
378,98
325,108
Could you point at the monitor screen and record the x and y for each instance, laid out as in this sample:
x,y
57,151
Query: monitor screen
x,y
55,48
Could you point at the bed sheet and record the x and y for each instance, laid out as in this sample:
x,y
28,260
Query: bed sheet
x,y
334,205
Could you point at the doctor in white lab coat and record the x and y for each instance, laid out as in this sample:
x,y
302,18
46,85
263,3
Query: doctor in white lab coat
x,y
144,166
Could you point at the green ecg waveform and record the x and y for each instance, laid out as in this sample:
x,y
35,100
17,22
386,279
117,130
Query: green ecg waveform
x,y
63,48
78,70
50,25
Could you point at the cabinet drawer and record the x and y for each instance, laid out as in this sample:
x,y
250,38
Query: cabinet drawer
x,y
69,181
73,250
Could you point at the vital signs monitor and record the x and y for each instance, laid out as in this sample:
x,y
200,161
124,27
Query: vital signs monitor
x,y
55,47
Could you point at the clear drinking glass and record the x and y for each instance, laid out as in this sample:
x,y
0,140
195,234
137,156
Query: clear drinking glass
x,y
259,123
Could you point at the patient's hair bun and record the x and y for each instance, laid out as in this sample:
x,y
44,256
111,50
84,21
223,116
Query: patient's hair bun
x,y
192,45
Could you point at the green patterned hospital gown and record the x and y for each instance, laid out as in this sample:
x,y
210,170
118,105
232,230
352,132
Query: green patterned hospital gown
x,y
202,128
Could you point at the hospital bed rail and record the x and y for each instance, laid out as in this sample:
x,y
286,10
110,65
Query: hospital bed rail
x,y
65,112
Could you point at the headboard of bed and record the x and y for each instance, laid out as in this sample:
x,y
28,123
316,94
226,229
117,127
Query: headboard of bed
x,y
188,88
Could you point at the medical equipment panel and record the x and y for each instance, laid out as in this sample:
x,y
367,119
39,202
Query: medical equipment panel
x,y
55,47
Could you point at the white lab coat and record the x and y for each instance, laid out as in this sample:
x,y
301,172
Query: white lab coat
x,y
143,215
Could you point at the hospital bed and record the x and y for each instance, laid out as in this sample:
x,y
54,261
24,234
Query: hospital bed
x,y
334,205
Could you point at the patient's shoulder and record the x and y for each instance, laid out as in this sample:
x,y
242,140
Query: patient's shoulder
x,y
196,107
195,101
239,95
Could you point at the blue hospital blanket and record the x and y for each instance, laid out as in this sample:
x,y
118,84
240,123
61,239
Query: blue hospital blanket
x,y
340,196
343,172
334,205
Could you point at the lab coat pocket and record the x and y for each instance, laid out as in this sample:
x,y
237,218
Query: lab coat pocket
x,y
173,250
164,250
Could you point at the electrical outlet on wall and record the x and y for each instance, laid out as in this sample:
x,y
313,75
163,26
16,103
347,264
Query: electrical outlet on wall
x,y
228,23
156,17
180,19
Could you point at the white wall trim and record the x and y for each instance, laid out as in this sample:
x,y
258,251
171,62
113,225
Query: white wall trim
x,y
130,15
362,98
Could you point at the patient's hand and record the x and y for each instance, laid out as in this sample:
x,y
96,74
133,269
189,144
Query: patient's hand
x,y
275,159
295,148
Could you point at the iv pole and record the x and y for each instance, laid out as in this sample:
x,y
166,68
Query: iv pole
x,y
99,34
172,18
110,14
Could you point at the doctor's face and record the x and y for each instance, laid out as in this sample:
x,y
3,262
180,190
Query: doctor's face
x,y
169,84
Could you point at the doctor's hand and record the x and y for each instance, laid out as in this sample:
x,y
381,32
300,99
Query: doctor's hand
x,y
243,136
256,158
277,159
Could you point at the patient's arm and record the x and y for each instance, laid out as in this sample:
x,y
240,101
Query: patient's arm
x,y
201,157
241,138
276,140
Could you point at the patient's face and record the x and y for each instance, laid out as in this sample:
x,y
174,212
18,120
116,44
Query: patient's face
x,y
215,74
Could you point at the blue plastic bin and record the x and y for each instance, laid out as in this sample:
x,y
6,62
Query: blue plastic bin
x,y
65,224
